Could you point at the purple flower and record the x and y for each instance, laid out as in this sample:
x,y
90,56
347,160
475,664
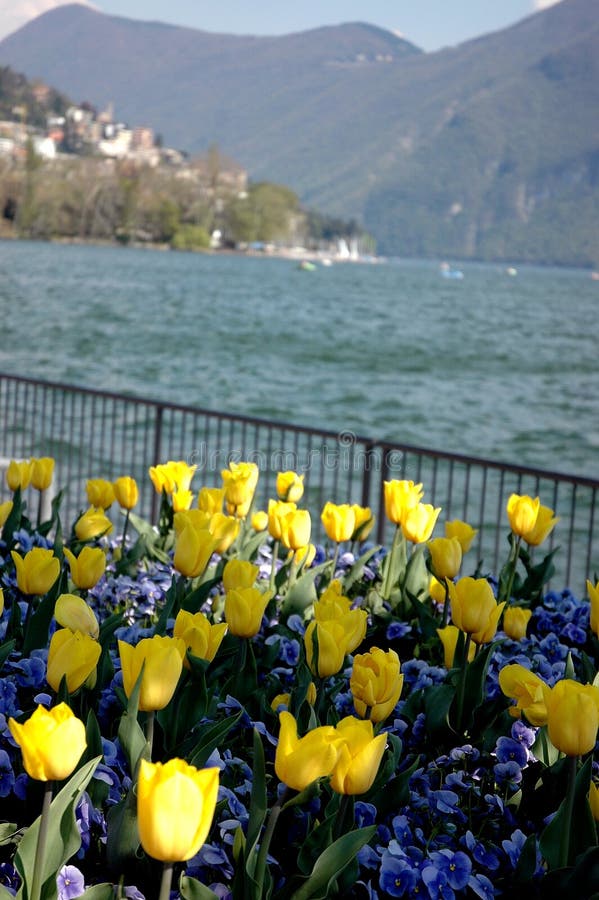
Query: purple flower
x,y
509,750
456,866
398,878
70,883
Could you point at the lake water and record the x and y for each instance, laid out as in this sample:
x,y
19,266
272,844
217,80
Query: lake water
x,y
490,365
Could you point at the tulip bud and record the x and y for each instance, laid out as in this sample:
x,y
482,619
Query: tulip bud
x,y
73,612
515,622
162,661
92,524
401,496
359,756
52,742
239,573
544,525
100,493
193,549
474,608
239,482
18,474
446,556
260,520
376,683
295,529
201,638
449,638
462,531
87,568
593,592
290,486
42,470
224,530
339,521
419,522
522,512
527,689
73,655
277,510
36,571
211,500
363,522
572,716
244,609
300,761
175,808
126,492
181,500
5,511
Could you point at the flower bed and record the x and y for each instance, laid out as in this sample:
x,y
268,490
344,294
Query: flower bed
x,y
212,705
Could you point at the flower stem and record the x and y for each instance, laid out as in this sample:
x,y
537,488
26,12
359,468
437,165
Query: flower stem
x,y
165,884
273,567
40,850
125,527
445,618
512,563
335,558
462,684
568,809
386,587
266,839
150,731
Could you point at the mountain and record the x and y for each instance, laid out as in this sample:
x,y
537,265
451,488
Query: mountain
x,y
485,150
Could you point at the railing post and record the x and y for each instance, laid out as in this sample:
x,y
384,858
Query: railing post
x,y
156,456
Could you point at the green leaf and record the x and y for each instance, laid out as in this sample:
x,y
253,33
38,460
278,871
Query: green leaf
x,y
98,892
332,862
63,839
303,591
192,889
211,738
350,578
9,833
13,522
122,833
5,651
5,894
131,736
258,806
38,628
581,825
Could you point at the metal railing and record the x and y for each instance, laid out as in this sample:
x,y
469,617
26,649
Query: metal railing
x,y
97,434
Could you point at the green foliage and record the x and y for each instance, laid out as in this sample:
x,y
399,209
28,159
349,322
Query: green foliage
x,y
190,237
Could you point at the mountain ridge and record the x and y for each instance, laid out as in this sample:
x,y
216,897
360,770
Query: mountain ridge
x,y
470,151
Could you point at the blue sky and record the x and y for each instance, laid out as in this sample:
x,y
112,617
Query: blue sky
x,y
428,23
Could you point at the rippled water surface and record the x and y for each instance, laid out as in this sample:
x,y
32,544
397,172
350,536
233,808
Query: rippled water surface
x,y
491,365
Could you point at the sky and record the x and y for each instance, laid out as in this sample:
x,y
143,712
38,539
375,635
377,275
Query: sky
x,y
430,24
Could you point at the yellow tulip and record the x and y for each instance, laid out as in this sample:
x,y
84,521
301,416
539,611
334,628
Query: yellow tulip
x,y
594,800
126,492
300,761
305,555
92,524
339,521
72,654
1,601
171,476
224,530
419,522
52,742
162,661
359,756
277,510
515,622
464,532
42,470
332,603
201,637
244,609
5,511
449,638
175,808
593,592
527,689
446,556
73,612
100,493
211,500
18,474
181,500
239,573
295,529
376,683
197,518
335,640
474,608
280,700
572,716
193,549
546,521
436,590
401,496
260,520
363,522
522,512
36,571
87,568
290,486
239,482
